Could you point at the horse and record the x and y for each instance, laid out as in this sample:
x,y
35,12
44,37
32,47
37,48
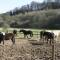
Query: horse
x,y
47,35
29,32
7,36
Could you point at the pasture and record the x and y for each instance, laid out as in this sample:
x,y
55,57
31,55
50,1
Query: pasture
x,y
24,50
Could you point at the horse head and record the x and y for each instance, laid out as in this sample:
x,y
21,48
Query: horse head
x,y
41,33
15,32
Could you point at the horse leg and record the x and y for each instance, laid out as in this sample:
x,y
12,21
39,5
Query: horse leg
x,y
47,40
50,41
27,36
13,40
24,36
43,39
30,35
3,39
0,42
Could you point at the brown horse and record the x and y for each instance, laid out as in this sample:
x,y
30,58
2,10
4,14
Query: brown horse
x,y
10,36
7,36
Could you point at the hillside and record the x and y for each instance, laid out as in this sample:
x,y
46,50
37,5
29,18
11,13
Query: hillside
x,y
49,19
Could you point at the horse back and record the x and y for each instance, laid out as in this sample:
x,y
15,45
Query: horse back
x,y
49,35
9,36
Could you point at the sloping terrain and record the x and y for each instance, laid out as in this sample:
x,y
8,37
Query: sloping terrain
x,y
48,19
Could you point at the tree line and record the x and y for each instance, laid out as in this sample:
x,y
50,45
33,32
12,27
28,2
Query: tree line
x,y
35,6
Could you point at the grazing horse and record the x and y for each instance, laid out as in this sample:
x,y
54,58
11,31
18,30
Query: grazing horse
x,y
47,35
27,33
7,36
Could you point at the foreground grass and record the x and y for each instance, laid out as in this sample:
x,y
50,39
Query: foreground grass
x,y
23,50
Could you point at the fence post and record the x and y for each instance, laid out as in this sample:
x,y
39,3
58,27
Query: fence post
x,y
53,50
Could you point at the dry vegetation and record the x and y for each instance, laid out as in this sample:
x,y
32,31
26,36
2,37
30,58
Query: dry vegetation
x,y
23,50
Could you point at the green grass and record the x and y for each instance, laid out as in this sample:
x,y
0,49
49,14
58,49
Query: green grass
x,y
35,31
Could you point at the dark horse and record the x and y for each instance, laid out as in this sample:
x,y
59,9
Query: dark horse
x,y
7,36
29,32
47,35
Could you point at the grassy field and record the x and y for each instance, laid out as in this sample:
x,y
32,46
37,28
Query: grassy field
x,y
24,50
